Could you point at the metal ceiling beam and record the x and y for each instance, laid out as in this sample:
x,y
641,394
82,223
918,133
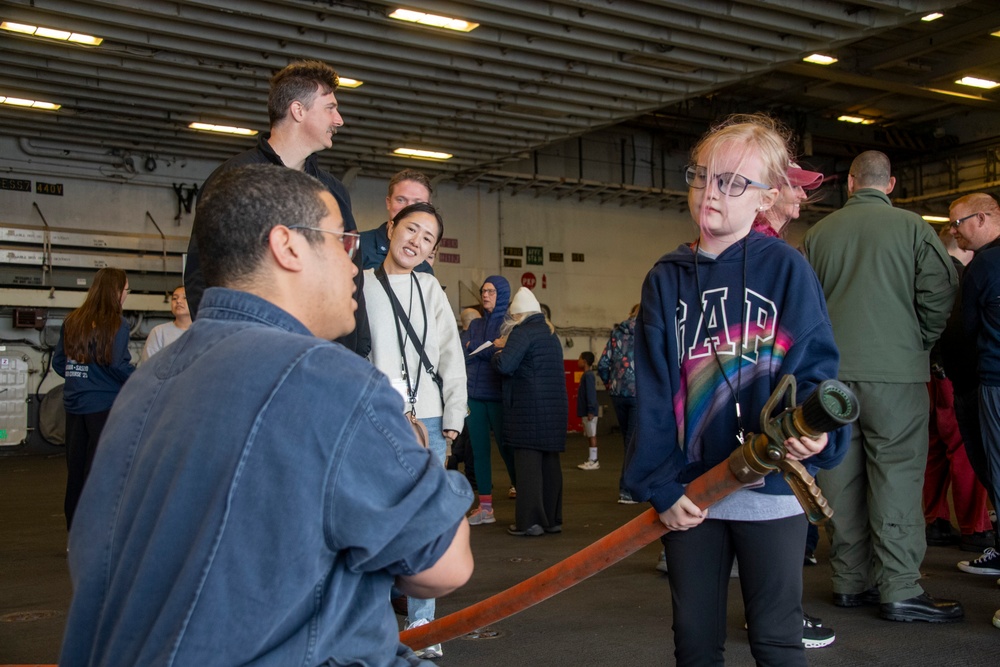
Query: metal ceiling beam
x,y
297,26
459,69
937,39
615,33
884,82
425,118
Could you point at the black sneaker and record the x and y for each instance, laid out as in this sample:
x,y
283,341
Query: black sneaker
x,y
977,542
988,563
814,635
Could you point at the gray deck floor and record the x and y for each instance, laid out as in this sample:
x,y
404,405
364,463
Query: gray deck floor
x,y
619,617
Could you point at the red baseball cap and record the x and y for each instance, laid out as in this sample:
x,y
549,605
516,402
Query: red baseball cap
x,y
808,180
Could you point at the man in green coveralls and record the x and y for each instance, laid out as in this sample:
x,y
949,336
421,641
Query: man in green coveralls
x,y
889,287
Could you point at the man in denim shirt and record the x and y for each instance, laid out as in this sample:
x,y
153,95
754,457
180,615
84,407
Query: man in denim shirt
x,y
257,490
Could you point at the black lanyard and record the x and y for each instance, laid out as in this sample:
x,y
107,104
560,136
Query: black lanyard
x,y
715,352
418,343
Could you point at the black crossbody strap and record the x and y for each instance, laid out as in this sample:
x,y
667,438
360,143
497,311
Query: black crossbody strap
x,y
401,316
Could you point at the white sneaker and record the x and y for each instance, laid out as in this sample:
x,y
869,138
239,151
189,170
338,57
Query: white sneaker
x,y
431,652
589,465
996,619
661,564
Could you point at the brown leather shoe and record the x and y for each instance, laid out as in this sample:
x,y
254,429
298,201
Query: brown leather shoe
x,y
869,597
923,608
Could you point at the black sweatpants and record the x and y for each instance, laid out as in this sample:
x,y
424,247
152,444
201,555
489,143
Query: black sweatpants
x,y
539,489
699,562
82,434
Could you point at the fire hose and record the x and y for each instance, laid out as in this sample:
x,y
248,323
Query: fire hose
x,y
830,406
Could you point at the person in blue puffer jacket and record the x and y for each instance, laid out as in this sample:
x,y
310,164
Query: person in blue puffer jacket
x,y
485,397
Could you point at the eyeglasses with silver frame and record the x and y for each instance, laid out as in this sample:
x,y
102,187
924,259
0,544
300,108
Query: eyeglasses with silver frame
x,y
351,240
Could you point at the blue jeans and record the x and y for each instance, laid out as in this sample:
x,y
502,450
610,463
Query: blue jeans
x,y
417,608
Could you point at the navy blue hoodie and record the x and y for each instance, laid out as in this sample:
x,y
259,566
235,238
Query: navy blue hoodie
x,y
93,387
686,416
483,380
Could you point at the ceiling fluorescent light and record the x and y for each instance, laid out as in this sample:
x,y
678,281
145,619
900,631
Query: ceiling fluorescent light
x,y
819,59
934,218
422,154
433,20
29,104
224,129
857,120
347,82
931,17
977,83
996,34
51,33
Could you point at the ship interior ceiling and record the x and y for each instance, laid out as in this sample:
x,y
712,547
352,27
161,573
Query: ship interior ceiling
x,y
636,79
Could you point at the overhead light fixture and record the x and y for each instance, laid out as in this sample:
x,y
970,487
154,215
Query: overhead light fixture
x,y
931,17
996,34
422,154
934,218
224,129
977,83
857,120
50,33
819,59
29,104
347,82
433,20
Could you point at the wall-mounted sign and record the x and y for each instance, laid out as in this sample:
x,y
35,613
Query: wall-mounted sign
x,y
511,263
528,280
448,243
555,257
514,252
15,184
449,257
49,188
534,256
577,256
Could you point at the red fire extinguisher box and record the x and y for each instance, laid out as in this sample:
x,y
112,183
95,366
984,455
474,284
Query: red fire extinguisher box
x,y
572,373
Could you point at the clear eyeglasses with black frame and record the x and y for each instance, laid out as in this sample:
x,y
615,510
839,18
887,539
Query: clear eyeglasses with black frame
x,y
351,240
730,184
955,224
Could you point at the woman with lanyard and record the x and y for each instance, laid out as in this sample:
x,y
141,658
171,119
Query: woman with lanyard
x,y
415,342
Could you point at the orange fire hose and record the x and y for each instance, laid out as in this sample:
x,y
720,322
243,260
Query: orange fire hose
x,y
831,406
708,489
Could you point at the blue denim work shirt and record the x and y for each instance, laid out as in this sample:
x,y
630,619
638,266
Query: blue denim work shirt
x,y
255,491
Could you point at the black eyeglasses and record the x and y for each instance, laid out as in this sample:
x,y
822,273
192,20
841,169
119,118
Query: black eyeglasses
x,y
955,224
351,240
732,185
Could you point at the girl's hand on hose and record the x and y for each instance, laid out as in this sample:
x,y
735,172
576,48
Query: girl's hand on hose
x,y
682,515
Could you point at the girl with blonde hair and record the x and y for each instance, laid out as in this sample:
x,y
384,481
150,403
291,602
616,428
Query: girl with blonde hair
x,y
722,321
